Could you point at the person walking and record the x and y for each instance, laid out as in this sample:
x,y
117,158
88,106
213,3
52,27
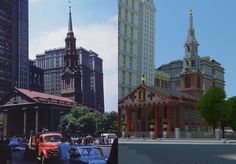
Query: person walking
x,y
64,151
113,158
5,151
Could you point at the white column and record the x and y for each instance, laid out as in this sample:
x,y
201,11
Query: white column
x,y
36,119
5,123
177,133
24,128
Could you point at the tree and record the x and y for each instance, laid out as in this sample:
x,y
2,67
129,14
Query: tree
x,y
1,120
80,121
231,115
111,122
212,106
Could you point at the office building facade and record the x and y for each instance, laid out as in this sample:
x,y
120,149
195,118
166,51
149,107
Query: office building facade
x,y
52,62
36,77
136,43
14,69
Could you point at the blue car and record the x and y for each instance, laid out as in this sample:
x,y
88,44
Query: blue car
x,y
87,155
13,142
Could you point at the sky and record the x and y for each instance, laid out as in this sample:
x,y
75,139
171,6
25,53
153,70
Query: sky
x,y
95,28
215,29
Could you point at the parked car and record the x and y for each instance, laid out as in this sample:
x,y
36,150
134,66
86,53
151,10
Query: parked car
x,y
81,154
13,142
44,145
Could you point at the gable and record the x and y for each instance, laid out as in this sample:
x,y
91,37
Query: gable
x,y
141,95
16,97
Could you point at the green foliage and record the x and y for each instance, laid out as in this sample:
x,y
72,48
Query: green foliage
x,y
1,120
110,122
231,114
80,121
212,106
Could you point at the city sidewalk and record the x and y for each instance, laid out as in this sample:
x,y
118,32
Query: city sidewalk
x,y
173,141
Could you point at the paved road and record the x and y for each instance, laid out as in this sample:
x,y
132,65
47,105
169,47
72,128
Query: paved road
x,y
177,153
18,156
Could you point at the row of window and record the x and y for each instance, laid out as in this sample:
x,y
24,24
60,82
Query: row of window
x,y
5,27
5,7
5,86
5,45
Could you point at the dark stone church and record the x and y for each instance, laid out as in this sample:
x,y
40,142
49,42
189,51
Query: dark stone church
x,y
27,111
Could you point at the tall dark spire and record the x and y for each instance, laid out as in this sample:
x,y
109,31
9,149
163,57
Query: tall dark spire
x,y
70,27
71,57
71,76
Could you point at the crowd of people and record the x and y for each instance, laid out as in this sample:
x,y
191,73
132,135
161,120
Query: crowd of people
x,y
89,140
63,148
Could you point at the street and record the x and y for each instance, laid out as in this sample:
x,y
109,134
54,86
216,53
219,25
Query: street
x,y
176,153
18,156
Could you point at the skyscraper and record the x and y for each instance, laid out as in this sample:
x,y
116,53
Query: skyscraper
x,y
136,44
36,77
52,62
14,68
22,52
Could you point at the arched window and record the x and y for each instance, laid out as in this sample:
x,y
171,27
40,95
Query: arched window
x,y
198,82
187,82
188,48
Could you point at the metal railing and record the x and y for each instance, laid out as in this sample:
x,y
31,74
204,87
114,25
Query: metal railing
x,y
198,135
182,135
145,134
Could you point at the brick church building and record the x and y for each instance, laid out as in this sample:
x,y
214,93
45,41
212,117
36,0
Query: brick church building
x,y
158,109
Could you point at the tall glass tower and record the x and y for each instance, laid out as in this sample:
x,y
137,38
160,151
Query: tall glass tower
x,y
14,68
136,43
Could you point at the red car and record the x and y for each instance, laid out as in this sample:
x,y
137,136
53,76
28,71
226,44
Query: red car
x,y
45,145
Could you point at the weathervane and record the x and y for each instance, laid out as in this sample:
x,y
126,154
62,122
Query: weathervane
x,y
69,2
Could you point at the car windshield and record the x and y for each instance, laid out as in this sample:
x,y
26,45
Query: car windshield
x,y
53,138
92,152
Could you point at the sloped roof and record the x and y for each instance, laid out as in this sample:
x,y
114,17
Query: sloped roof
x,y
43,97
164,92
167,92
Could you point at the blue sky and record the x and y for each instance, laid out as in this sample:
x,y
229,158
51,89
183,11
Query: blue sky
x,y
215,28
95,28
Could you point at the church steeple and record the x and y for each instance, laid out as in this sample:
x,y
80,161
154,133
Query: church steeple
x,y
71,57
191,30
191,57
71,76
191,79
70,27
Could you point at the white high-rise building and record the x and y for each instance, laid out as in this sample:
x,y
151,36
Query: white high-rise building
x,y
136,45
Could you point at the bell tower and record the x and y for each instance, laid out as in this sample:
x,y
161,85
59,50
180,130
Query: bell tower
x,y
71,76
191,79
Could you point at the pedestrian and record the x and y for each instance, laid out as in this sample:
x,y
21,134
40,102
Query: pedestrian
x,y
113,158
5,152
64,151
45,130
